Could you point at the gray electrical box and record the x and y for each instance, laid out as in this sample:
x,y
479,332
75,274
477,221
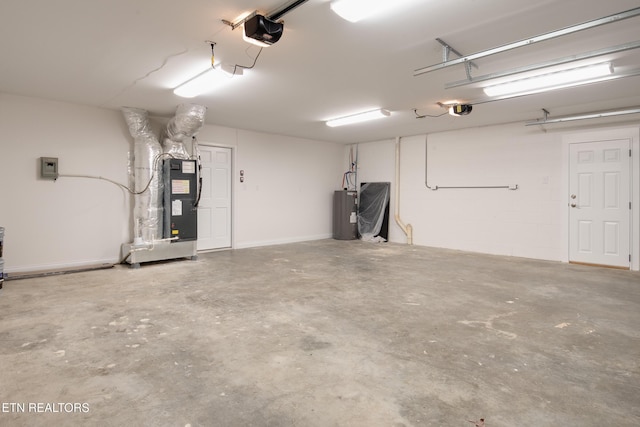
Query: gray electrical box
x,y
345,218
49,167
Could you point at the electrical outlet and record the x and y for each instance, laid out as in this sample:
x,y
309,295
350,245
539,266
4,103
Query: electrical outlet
x,y
49,167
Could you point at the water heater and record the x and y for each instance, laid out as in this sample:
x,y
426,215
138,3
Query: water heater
x,y
344,215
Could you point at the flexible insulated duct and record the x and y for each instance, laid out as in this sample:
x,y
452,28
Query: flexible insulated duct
x,y
147,211
186,123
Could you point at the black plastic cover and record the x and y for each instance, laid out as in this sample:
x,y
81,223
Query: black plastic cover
x,y
263,29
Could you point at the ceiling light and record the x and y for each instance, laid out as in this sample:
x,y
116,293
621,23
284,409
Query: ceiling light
x,y
206,81
552,81
357,118
253,41
355,10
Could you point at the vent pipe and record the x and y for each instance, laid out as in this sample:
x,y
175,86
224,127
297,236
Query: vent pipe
x,y
407,229
147,211
186,123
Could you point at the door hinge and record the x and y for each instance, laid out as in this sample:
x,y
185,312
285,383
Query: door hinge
x,y
629,205
629,152
629,257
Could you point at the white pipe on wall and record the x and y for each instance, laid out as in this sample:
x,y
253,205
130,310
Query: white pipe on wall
x,y
407,229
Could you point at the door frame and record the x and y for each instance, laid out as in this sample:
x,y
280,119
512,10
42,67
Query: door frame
x,y
631,133
232,148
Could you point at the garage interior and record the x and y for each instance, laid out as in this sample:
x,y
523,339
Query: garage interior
x,y
185,255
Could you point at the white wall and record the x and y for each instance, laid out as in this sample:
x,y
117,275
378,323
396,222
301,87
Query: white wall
x,y
528,222
287,195
70,222
73,222
525,222
288,190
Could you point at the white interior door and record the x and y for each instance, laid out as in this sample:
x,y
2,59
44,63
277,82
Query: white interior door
x,y
214,210
599,202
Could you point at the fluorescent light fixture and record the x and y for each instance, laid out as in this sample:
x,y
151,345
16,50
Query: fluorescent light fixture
x,y
552,81
357,118
356,10
207,81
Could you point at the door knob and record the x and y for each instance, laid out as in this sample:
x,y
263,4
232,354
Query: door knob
x,y
573,196
573,205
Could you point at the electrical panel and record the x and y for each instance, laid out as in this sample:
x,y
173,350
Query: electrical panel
x,y
49,167
180,194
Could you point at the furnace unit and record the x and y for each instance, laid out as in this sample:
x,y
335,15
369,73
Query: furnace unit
x,y
165,217
180,219
180,197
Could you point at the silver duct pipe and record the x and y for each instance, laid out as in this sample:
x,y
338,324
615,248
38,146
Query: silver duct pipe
x,y
147,211
186,123
147,177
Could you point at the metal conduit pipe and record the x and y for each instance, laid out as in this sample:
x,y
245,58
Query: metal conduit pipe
x,y
406,229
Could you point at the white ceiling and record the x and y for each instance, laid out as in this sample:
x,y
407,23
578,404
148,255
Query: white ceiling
x,y
134,52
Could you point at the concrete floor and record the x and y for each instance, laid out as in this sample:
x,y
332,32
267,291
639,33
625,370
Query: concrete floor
x,y
325,333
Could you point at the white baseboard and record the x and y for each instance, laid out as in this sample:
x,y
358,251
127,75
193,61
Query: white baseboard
x,y
58,266
35,268
258,243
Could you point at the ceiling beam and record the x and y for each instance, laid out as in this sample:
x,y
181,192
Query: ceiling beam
x,y
586,116
529,41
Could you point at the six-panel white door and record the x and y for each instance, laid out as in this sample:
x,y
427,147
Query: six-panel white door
x,y
214,210
599,211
